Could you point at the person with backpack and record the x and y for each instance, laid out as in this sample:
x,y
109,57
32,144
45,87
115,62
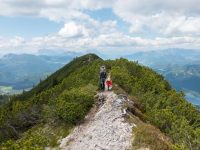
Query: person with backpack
x,y
103,77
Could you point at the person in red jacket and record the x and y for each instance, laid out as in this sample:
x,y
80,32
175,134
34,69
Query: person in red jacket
x,y
109,83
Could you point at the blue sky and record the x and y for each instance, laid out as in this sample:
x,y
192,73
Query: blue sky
x,y
27,27
107,14
106,26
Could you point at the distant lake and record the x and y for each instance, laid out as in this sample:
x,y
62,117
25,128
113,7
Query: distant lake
x,y
192,98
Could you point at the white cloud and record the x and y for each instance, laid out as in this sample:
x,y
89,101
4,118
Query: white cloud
x,y
184,25
169,23
116,42
51,9
152,7
11,45
169,17
11,42
73,30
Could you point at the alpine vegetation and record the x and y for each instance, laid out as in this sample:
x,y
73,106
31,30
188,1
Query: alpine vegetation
x,y
159,117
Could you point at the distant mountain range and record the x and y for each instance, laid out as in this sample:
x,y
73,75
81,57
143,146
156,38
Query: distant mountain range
x,y
181,67
165,58
25,70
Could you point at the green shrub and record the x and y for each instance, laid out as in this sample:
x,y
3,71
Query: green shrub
x,y
26,110
163,106
32,140
74,104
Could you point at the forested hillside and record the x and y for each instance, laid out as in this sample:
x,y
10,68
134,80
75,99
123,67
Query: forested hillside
x,y
42,116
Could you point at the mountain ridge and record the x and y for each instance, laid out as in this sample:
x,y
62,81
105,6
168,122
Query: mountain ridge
x,y
40,117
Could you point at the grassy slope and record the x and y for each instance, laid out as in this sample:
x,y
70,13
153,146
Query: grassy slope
x,y
59,75
43,110
160,105
39,107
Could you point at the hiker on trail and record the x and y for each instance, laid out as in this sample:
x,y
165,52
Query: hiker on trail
x,y
108,83
103,77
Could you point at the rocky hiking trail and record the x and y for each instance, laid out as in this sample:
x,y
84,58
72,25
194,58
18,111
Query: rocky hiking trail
x,y
104,128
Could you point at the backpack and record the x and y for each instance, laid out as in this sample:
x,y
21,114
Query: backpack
x,y
103,72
